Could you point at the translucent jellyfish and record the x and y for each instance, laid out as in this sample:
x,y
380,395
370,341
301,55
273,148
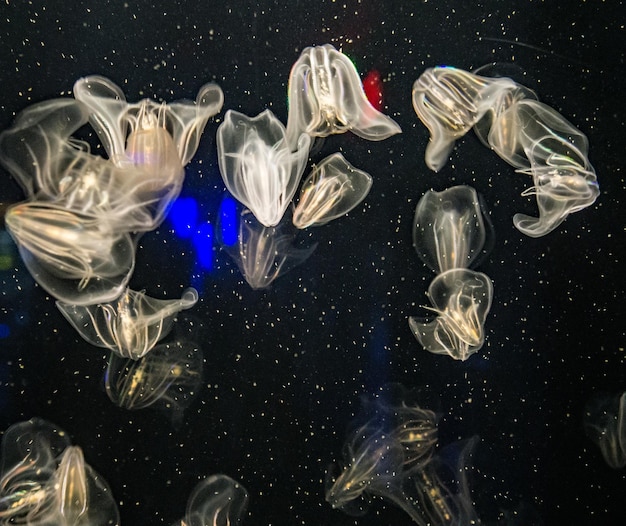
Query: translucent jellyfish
x,y
217,500
450,101
77,232
54,168
540,142
449,234
392,456
332,189
76,258
132,325
38,151
461,299
326,97
45,480
605,425
168,378
262,253
389,441
449,228
258,166
529,135
158,140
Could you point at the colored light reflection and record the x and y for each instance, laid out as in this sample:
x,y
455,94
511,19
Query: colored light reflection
x,y
373,88
203,241
228,221
183,216
5,331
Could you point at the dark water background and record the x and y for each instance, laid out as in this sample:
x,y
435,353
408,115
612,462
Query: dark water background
x,y
285,367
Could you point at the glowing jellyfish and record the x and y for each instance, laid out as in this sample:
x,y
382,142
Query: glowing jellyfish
x,y
449,101
449,228
392,456
326,97
77,258
461,298
217,500
540,142
332,189
265,253
45,480
605,425
257,165
167,378
449,234
157,139
132,325
529,135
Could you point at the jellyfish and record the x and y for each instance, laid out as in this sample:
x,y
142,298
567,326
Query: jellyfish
x,y
265,253
461,298
168,378
258,166
449,234
154,140
130,326
77,258
450,101
45,480
217,500
326,97
390,453
332,189
449,229
605,425
529,135
540,142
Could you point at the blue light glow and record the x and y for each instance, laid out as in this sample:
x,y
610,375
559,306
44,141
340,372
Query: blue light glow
x,y
203,243
228,221
183,216
5,331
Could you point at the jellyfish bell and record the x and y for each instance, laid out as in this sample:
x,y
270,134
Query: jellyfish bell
x,y
326,97
76,258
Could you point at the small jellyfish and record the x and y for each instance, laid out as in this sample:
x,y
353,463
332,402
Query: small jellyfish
x,y
257,165
265,253
392,456
217,500
508,118
449,229
540,142
326,97
130,326
167,378
461,299
605,425
156,140
46,481
77,258
448,101
332,189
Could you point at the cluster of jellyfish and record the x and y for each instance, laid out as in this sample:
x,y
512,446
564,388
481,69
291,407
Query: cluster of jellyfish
x,y
78,228
262,163
45,481
77,231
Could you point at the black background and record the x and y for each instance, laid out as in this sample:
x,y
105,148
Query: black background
x,y
285,366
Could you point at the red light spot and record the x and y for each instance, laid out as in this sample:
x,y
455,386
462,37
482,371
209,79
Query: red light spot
x,y
373,87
